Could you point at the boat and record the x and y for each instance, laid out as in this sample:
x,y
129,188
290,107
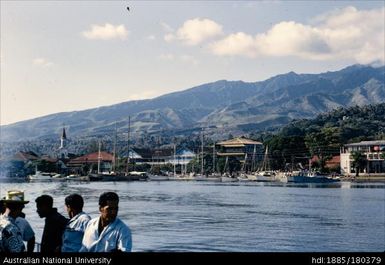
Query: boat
x,y
136,175
310,177
264,174
39,175
77,177
228,178
154,177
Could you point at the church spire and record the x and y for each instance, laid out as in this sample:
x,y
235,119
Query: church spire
x,y
63,135
63,138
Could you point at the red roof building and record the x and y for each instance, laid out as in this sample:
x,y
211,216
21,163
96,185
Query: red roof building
x,y
92,158
332,163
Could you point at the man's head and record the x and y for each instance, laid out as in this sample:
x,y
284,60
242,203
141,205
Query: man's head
x,y
44,205
108,206
74,204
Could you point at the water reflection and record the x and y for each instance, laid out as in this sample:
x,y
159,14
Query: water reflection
x,y
203,216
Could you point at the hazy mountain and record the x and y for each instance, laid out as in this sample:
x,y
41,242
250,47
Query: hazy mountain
x,y
231,106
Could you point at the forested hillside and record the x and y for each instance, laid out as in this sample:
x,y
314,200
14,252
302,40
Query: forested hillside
x,y
324,135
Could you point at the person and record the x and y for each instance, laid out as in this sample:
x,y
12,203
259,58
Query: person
x,y
25,228
54,227
27,232
10,235
74,231
107,233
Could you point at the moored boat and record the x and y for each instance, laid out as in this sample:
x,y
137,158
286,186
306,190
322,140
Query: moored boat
x,y
310,177
39,175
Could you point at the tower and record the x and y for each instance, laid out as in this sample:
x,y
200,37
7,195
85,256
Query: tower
x,y
63,138
63,153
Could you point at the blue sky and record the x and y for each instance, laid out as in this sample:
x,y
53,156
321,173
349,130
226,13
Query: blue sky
x,y
72,55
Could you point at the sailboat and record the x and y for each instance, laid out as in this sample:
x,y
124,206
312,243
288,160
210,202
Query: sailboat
x,y
105,176
264,174
131,175
226,177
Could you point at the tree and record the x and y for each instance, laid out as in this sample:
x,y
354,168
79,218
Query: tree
x,y
359,161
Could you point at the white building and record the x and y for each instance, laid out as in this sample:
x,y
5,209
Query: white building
x,y
63,152
182,157
373,151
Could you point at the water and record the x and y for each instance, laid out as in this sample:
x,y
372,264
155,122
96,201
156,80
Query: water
x,y
240,217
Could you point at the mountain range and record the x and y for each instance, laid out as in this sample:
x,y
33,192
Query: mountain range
x,y
235,107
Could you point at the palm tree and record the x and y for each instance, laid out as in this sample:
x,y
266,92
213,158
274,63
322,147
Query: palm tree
x,y
359,161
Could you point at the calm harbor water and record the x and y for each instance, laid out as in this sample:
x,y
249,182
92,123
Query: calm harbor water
x,y
193,216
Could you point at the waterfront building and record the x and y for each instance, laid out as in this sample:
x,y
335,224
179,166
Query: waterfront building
x,y
373,153
332,163
20,164
87,163
138,156
248,152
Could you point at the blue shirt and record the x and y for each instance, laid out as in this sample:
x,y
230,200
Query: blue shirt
x,y
115,237
10,235
74,232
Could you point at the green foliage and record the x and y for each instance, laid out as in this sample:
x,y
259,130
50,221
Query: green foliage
x,y
359,161
324,135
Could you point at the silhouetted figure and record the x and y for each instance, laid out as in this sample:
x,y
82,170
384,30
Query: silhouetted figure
x,y
55,224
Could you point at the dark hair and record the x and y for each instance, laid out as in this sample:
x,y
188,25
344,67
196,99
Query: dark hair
x,y
107,196
13,206
74,201
44,200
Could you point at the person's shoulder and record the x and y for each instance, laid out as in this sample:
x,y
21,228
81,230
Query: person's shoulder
x,y
123,225
20,221
93,220
85,217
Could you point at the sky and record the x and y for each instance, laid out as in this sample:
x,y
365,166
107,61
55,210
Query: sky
x,y
59,56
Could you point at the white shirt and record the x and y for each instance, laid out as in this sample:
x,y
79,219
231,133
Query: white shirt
x,y
74,232
115,236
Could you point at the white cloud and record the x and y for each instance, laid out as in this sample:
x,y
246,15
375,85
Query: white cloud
x,y
346,33
106,32
195,31
42,62
235,44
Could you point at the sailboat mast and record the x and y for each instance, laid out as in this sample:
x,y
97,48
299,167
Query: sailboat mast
x,y
128,144
99,157
114,151
202,171
174,159
253,162
214,170
264,162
